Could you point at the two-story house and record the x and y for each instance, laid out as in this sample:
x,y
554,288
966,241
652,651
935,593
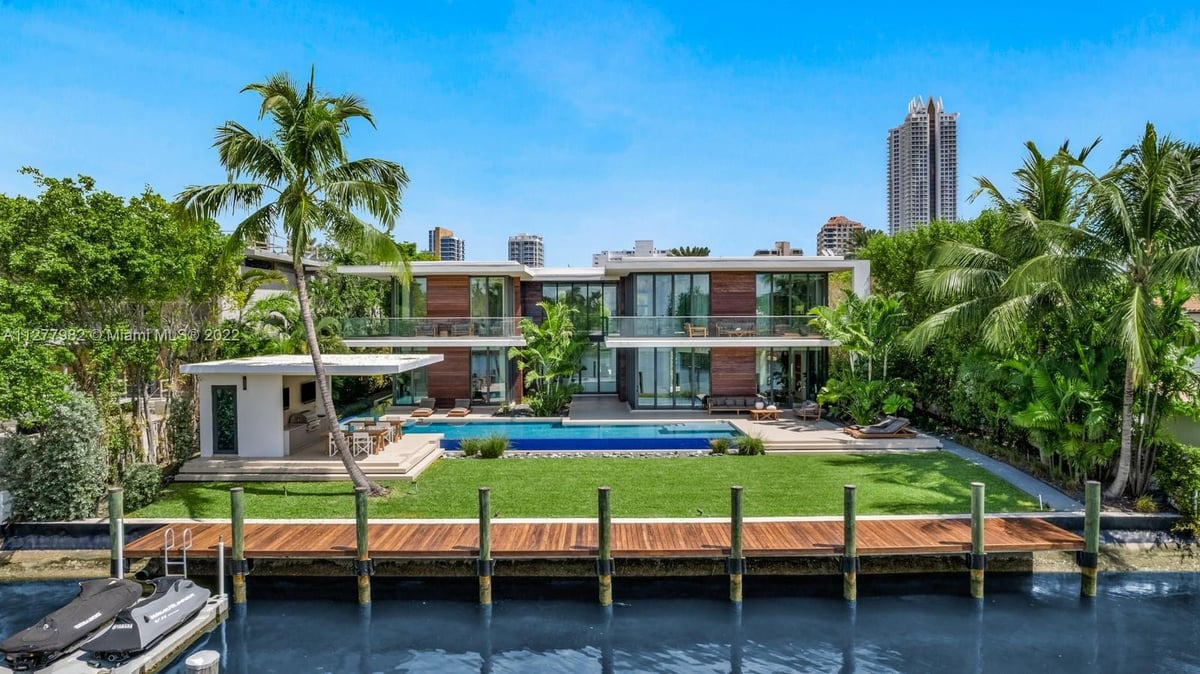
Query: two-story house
x,y
664,332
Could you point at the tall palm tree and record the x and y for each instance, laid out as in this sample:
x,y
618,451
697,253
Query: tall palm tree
x,y
689,251
300,179
1142,234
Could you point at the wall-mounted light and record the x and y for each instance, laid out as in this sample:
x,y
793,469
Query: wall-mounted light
x,y
243,382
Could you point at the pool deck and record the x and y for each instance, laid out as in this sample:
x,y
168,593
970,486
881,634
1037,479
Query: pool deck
x,y
406,457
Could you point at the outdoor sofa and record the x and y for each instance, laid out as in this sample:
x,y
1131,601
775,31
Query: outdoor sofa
x,y
732,403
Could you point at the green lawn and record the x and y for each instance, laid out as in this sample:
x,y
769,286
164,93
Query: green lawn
x,y
934,482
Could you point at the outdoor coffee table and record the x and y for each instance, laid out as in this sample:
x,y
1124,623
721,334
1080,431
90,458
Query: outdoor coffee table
x,y
763,415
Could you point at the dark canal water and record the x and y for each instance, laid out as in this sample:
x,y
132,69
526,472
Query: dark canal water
x,y
1140,623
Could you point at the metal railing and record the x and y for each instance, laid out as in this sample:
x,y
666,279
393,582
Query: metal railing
x,y
732,327
429,327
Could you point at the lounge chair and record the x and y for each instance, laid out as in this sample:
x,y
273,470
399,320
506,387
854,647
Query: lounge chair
x,y
425,408
891,427
459,412
807,410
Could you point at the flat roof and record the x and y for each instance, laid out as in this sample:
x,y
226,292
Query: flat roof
x,y
336,364
613,269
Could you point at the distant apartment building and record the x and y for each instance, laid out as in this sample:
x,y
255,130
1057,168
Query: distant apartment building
x,y
527,249
445,246
834,237
922,176
782,248
641,248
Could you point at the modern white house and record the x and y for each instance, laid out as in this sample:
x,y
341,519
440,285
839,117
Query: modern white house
x,y
268,407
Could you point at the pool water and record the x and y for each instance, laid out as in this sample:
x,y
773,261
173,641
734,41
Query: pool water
x,y
1142,622
556,436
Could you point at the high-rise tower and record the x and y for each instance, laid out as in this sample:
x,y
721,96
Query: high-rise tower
x,y
923,167
527,249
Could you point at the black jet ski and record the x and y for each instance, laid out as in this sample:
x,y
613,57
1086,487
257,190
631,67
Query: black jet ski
x,y
175,600
61,632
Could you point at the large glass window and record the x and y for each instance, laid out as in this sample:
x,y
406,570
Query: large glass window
x,y
783,300
409,387
660,296
672,377
789,376
593,302
488,297
598,370
489,376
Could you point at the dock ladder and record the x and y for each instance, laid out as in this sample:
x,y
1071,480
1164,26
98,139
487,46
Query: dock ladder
x,y
168,543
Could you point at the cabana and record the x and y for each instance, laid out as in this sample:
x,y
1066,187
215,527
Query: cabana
x,y
267,406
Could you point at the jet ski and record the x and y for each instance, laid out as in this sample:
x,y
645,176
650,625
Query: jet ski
x,y
61,632
173,602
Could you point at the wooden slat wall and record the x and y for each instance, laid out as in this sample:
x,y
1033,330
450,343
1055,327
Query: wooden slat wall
x,y
451,378
518,310
531,294
733,372
448,296
732,293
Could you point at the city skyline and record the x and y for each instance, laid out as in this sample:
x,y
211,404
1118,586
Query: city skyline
x,y
595,126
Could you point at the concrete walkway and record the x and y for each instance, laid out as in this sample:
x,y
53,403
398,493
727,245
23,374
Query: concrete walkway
x,y
1051,497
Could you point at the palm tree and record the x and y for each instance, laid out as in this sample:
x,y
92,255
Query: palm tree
x,y
247,283
1142,234
989,287
689,251
300,179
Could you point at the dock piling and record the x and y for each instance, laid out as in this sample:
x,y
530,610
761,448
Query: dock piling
x,y
849,544
604,562
977,559
484,565
736,563
203,662
1089,561
363,567
238,567
116,532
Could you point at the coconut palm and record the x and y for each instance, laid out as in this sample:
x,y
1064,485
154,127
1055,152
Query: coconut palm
x,y
1142,235
988,287
299,179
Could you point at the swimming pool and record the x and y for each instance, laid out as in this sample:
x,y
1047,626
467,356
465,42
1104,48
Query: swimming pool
x,y
552,436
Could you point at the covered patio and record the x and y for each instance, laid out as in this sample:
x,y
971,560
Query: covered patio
x,y
258,412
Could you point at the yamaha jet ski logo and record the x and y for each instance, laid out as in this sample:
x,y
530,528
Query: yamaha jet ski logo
x,y
79,625
160,613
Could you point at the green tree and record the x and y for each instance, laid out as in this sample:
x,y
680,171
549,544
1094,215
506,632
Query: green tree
x,y
689,251
59,474
300,179
550,358
1142,233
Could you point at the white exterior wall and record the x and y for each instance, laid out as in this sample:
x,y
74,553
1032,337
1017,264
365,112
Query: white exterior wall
x,y
260,414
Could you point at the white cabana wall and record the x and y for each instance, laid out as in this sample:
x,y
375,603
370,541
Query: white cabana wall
x,y
263,428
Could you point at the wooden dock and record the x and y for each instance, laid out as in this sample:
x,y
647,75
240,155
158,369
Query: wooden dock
x,y
630,540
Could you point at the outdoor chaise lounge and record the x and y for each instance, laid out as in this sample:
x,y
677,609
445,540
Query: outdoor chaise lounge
x,y
809,409
425,408
462,408
891,427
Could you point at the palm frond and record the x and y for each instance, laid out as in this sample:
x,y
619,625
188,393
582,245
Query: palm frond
x,y
246,155
212,200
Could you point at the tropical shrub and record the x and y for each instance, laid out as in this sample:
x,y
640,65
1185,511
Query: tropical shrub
x,y
863,401
719,445
550,358
490,447
749,445
59,474
1179,477
182,441
142,484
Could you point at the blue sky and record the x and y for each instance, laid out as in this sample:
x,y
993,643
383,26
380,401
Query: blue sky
x,y
596,124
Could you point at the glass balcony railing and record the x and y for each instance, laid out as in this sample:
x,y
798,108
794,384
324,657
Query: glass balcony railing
x,y
429,327
710,326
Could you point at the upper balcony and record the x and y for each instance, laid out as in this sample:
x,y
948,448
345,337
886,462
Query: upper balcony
x,y
719,331
432,331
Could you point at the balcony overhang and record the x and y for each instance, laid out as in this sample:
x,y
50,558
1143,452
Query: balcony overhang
x,y
433,342
717,342
336,364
